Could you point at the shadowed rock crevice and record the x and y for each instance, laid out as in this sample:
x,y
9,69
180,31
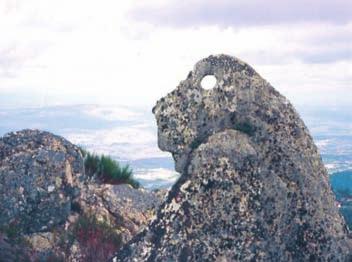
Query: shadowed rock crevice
x,y
253,185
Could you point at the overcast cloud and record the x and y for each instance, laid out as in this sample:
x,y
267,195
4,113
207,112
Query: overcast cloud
x,y
134,52
243,12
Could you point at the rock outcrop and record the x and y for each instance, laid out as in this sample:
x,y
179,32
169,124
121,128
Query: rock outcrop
x,y
253,185
39,173
51,211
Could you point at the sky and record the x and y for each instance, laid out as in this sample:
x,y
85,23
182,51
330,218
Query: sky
x,y
134,52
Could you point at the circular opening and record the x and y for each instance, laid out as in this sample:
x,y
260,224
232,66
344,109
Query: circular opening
x,y
208,82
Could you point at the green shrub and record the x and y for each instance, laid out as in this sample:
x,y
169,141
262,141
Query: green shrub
x,y
83,151
108,170
91,164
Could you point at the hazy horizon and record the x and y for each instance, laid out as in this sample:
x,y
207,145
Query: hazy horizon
x,y
129,135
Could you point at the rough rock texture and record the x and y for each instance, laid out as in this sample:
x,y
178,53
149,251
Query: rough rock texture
x,y
44,192
120,205
125,209
10,252
38,174
253,185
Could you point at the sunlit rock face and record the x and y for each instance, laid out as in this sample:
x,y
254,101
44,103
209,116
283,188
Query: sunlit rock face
x,y
253,186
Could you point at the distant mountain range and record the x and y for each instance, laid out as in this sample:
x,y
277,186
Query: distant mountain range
x,y
130,135
332,132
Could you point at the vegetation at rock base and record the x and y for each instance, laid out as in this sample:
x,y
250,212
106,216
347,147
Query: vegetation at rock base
x,y
108,170
97,239
48,217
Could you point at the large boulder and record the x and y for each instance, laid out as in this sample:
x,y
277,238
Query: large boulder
x,y
51,210
39,173
253,185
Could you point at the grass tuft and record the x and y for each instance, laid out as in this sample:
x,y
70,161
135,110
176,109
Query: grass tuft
x,y
108,170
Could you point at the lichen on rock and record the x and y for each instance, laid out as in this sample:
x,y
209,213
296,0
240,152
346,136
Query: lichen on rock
x,y
35,194
45,196
253,186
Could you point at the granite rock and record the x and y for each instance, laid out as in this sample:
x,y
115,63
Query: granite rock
x,y
38,177
44,192
253,186
121,206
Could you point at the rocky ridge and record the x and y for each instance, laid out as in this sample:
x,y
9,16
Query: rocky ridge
x,y
45,195
253,185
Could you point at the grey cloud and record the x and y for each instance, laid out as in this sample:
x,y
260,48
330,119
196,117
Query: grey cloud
x,y
244,13
333,45
327,56
270,57
336,35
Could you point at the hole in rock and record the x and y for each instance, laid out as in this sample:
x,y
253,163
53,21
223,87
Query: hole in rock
x,y
208,82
